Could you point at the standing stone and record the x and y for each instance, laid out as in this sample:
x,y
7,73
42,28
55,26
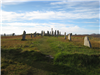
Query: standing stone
x,y
87,42
55,33
52,31
4,34
13,34
35,34
47,33
38,34
59,33
71,34
65,35
43,33
69,37
24,35
31,35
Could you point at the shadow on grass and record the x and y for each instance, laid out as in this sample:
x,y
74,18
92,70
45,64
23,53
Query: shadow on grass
x,y
23,39
39,61
96,48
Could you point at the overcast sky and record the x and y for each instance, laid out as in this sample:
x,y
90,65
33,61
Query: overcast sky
x,y
70,16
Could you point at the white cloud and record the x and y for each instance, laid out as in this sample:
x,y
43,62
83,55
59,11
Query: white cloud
x,y
13,16
77,7
13,2
18,28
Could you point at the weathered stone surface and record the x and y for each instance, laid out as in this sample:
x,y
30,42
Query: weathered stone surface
x,y
69,37
4,34
47,33
71,34
55,33
60,33
87,42
65,35
38,34
31,35
50,33
24,35
41,33
35,34
13,34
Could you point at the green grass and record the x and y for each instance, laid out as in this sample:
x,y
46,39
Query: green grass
x,y
29,57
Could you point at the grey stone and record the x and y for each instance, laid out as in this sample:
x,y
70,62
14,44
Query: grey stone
x,y
65,35
87,42
35,34
71,34
31,35
38,34
47,33
60,33
24,35
13,34
55,33
4,34
69,37
43,33
52,31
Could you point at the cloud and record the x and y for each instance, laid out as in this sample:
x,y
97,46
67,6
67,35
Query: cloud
x,y
18,28
50,15
11,16
13,2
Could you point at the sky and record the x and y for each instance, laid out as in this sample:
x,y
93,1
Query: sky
x,y
70,16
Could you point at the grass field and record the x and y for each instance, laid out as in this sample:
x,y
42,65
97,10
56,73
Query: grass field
x,y
29,57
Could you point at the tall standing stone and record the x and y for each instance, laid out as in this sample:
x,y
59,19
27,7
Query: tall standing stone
x,y
13,34
52,31
24,35
65,35
69,37
35,34
4,34
58,32
55,33
31,35
47,33
43,33
87,42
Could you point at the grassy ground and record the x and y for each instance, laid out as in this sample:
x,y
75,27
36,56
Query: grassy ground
x,y
29,57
